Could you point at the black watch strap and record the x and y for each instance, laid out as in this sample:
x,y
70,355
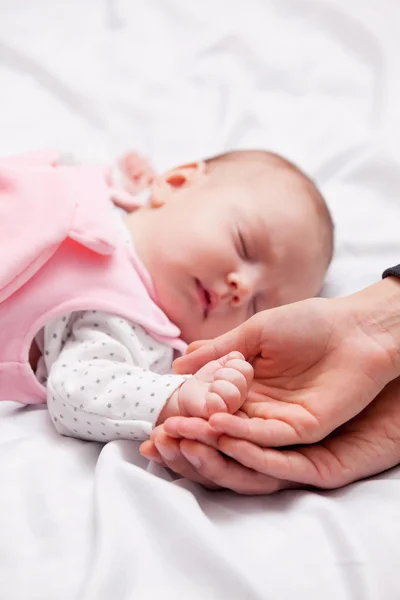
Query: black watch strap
x,y
392,272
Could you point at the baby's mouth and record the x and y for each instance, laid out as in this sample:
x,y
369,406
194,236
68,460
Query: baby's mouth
x,y
204,298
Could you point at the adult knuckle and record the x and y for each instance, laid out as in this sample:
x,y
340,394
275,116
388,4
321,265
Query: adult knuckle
x,y
309,429
331,472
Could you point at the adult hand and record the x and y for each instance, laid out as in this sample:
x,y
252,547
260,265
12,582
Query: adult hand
x,y
365,446
317,364
206,465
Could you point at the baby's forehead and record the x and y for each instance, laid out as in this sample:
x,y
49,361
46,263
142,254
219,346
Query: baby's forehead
x,y
267,189
264,186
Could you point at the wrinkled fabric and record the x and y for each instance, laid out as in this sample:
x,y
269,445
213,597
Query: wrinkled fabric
x,y
61,253
316,81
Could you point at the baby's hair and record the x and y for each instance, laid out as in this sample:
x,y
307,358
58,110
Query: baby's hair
x,y
271,159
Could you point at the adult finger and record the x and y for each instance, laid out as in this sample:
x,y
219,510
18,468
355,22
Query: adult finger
x,y
293,425
191,428
149,451
333,463
227,473
195,345
286,464
175,460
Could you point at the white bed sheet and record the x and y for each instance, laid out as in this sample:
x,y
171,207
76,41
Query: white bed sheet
x,y
316,81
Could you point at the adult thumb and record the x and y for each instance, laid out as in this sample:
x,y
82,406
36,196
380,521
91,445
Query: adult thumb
x,y
196,345
245,339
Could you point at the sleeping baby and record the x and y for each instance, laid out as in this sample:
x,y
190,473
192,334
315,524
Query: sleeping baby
x,y
97,301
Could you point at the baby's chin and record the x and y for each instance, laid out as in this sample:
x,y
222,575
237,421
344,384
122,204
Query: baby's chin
x,y
188,330
193,332
189,334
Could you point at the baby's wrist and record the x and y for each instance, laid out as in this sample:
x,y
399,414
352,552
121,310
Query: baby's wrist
x,y
170,409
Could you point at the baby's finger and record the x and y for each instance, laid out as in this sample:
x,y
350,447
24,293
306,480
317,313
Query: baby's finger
x,y
234,355
191,428
214,404
228,392
244,367
207,372
232,373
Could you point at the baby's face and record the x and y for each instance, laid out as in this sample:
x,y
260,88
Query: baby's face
x,y
219,253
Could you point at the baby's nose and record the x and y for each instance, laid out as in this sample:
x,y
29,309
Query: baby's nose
x,y
239,288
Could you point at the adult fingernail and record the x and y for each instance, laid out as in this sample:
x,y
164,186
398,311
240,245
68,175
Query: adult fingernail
x,y
156,459
166,452
194,460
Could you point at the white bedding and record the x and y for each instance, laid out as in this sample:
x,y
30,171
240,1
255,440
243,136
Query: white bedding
x,y
317,81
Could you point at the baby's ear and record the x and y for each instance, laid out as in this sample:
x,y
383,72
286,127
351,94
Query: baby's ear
x,y
166,185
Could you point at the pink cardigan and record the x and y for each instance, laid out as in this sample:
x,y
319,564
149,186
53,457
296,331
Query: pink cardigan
x,y
61,253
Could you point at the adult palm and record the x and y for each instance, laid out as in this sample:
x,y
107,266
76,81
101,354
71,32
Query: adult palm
x,y
316,366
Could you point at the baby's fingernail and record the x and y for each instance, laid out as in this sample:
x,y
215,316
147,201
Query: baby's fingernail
x,y
166,452
235,354
194,460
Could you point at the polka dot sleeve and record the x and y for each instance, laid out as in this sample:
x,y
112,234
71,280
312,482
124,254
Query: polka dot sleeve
x,y
108,380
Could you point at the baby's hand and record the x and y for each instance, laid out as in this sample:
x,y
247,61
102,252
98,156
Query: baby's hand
x,y
137,171
219,386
